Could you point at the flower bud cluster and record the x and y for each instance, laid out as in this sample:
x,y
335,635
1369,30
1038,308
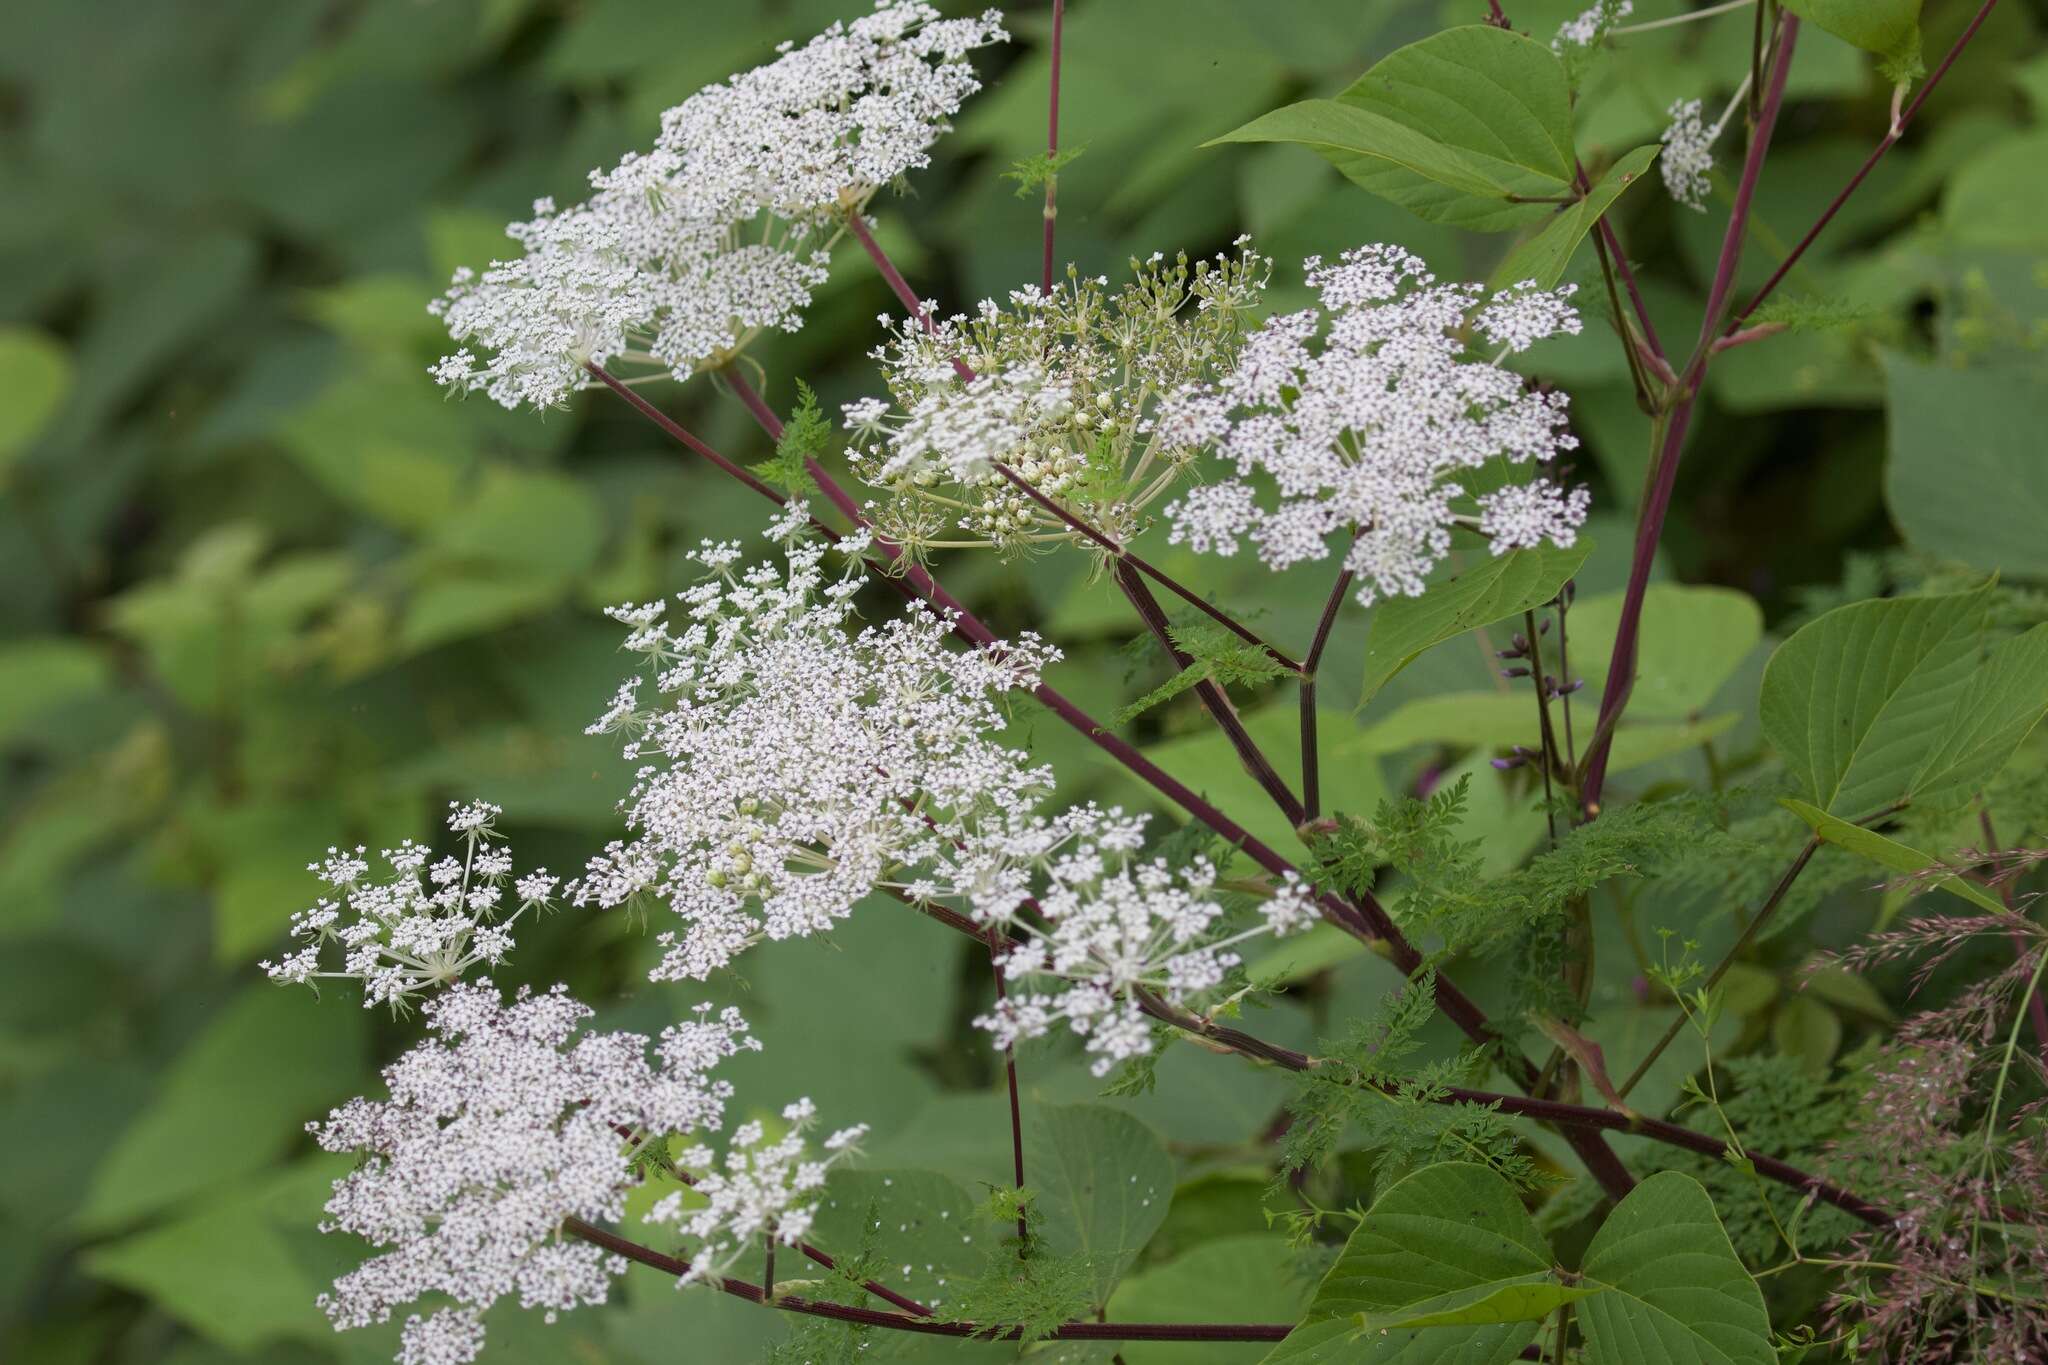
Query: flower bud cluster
x,y
1067,387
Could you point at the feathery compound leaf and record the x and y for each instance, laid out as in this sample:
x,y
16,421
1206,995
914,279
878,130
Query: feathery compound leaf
x,y
1453,128
1858,702
1403,628
806,436
1677,1292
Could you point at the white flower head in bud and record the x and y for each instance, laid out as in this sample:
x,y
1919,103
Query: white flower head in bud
x,y
503,1123
1591,26
1356,421
1687,161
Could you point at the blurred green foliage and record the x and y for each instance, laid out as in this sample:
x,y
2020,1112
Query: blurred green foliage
x,y
267,590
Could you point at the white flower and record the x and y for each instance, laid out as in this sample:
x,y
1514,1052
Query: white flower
x,y
1687,161
1067,391
425,925
498,1127
1103,926
762,1190
1367,434
798,764
683,253
1591,26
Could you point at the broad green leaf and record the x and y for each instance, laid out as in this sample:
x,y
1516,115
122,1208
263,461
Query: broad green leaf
x,y
1890,28
38,676
1494,589
244,1270
1500,719
1243,1278
1545,256
2006,698
1104,1183
924,1229
238,1096
1454,128
1966,479
35,374
1692,639
1997,198
1207,763
1856,702
1888,853
1808,1032
1447,1238
1679,1294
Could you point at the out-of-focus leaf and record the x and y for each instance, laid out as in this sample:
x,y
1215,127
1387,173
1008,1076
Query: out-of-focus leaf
x,y
1245,1278
35,374
1966,480
1890,28
37,676
235,1099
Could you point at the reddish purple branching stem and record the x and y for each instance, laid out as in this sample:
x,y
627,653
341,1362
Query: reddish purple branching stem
x,y
1213,699
1366,919
928,1326
1311,749
1869,164
1621,665
1128,556
1052,141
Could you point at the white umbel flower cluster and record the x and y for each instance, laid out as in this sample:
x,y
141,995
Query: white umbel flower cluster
x,y
684,253
1592,25
762,1190
498,1127
1105,925
1368,433
426,924
1068,385
1687,161
792,764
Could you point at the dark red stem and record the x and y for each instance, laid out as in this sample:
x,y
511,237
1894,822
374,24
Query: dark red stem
x,y
1052,140
869,1317
1869,163
1311,749
1621,664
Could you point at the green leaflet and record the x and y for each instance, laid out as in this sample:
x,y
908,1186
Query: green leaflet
x,y
1676,1291
1492,590
35,374
1104,1183
1448,1266
1890,28
1888,853
1545,256
1965,479
1898,700
1450,128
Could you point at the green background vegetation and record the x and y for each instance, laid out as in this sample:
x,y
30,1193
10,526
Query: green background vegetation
x,y
267,590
